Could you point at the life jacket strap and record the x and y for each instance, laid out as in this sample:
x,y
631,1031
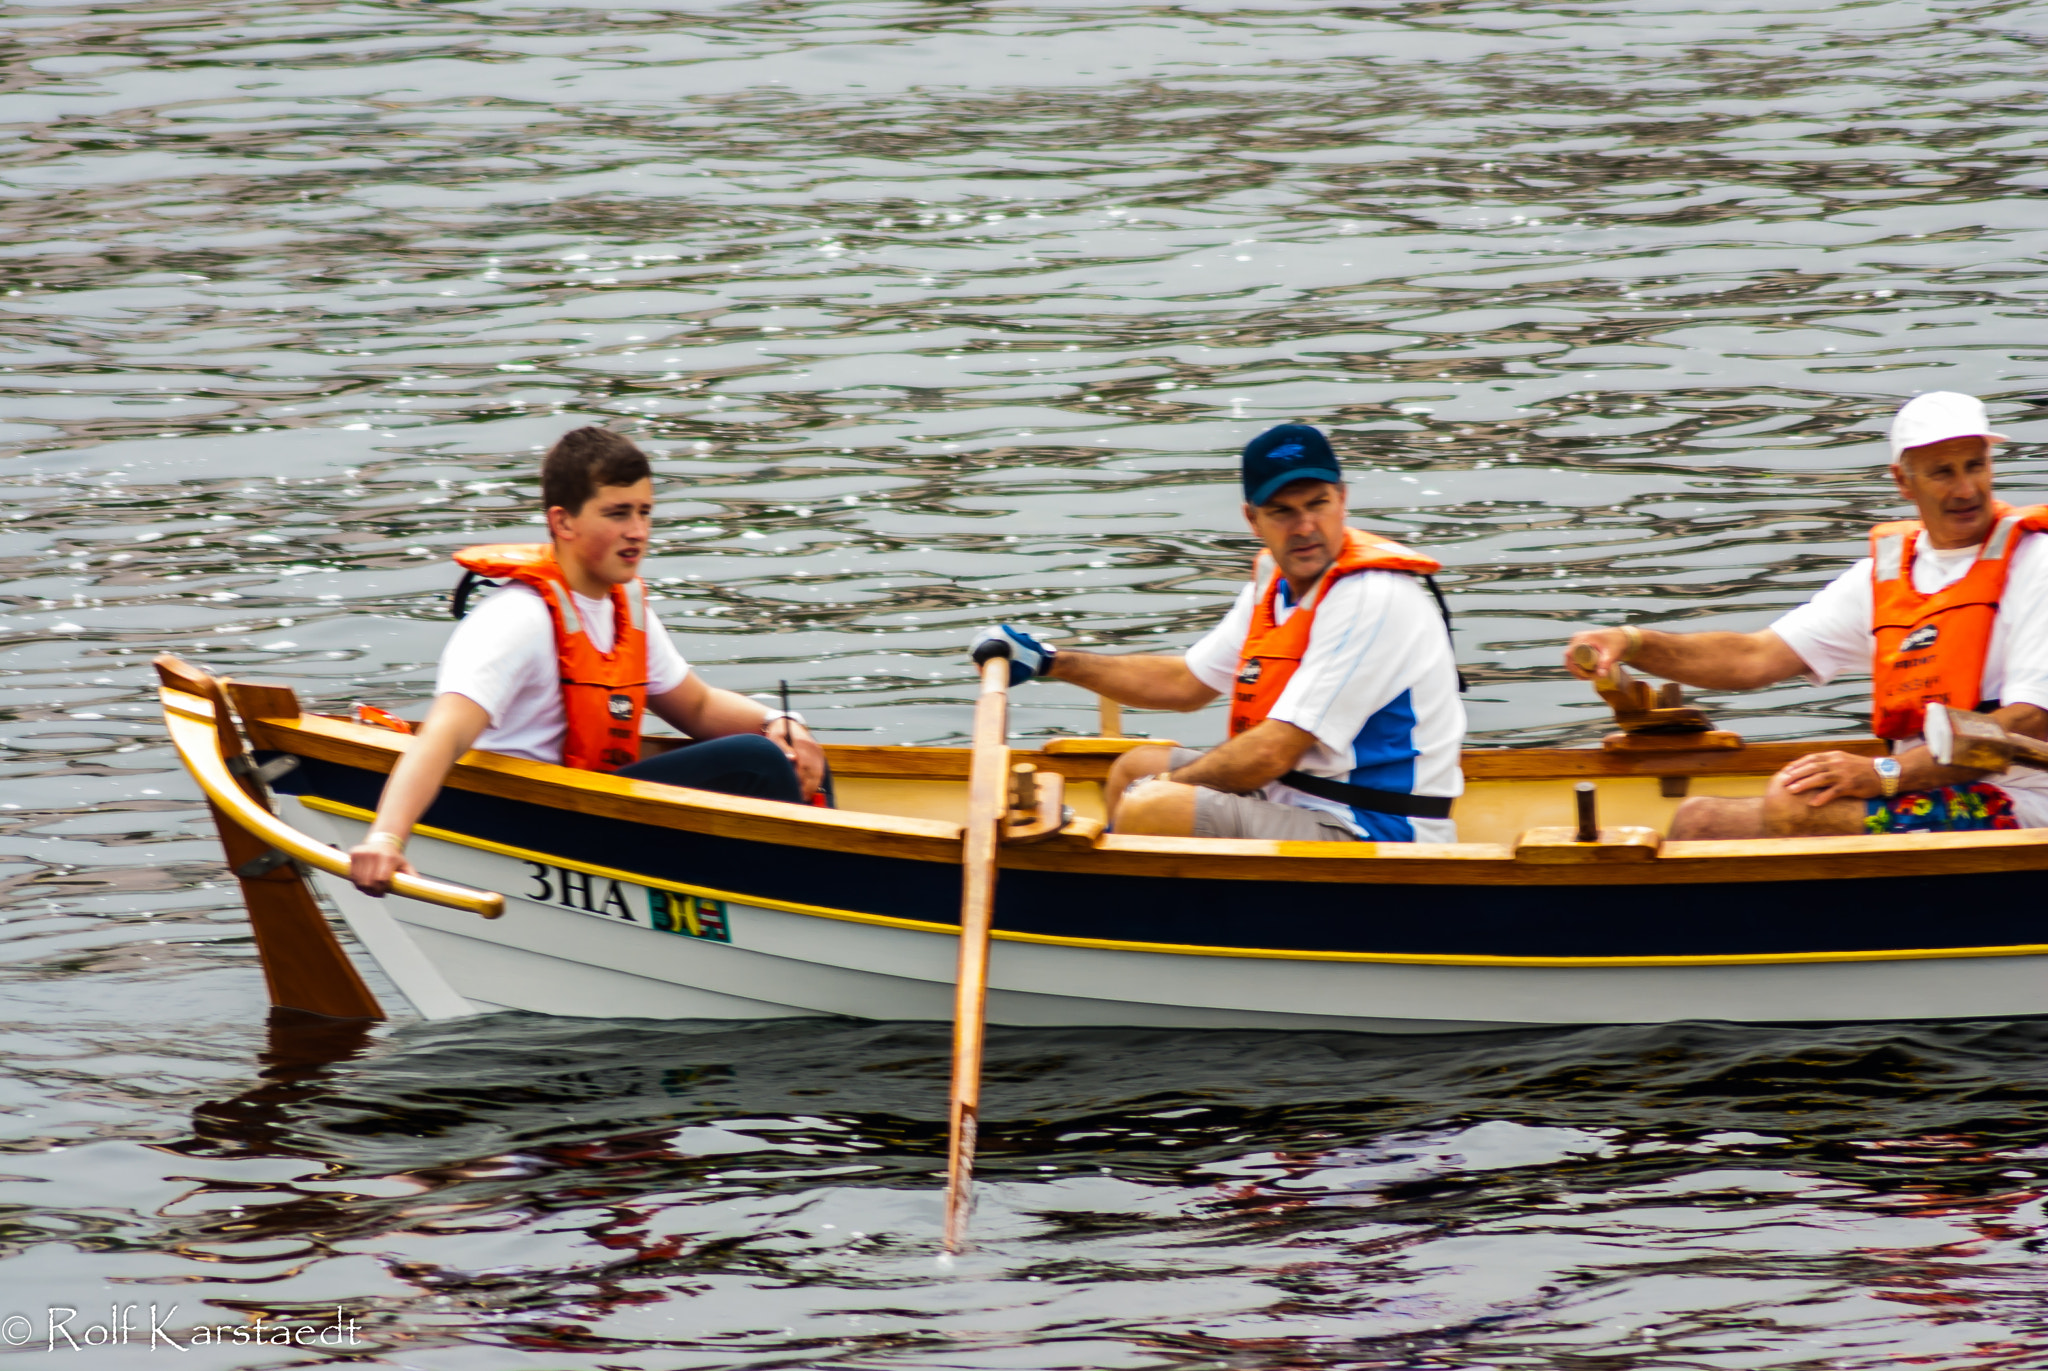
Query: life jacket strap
x,y
1365,797
458,602
1443,607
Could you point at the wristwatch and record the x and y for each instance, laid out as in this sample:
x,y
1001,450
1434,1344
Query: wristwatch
x,y
1887,769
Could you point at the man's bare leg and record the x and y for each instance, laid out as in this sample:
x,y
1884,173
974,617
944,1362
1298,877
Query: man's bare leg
x,y
1713,816
1778,813
1161,808
1787,815
1131,767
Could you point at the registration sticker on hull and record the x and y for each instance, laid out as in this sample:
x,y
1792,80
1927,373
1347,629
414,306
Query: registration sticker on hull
x,y
691,915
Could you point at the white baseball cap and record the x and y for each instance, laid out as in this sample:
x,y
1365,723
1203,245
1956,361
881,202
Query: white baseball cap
x,y
1937,415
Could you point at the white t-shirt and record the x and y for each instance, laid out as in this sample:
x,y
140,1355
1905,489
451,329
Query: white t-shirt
x,y
1378,689
1832,635
503,657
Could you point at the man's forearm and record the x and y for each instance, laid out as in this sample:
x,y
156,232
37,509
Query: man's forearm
x,y
1716,661
1250,761
2031,720
725,712
1143,680
1919,771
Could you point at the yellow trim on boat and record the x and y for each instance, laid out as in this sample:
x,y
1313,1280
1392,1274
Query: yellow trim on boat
x,y
349,811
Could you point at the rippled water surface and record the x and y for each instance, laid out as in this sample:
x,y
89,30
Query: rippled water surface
x,y
933,313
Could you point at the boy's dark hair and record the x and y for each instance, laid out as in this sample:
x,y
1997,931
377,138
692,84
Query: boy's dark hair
x,y
584,459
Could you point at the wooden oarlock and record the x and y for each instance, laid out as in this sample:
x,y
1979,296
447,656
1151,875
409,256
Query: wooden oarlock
x,y
1958,737
988,782
1651,719
1038,807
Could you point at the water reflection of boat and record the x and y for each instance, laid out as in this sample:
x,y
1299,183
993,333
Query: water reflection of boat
x,y
625,898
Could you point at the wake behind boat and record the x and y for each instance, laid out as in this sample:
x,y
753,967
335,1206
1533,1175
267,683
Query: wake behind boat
x,y
624,897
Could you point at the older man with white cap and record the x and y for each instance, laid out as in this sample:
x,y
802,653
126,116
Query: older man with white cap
x,y
1949,607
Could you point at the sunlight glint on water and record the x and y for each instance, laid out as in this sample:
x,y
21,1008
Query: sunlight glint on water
x,y
937,314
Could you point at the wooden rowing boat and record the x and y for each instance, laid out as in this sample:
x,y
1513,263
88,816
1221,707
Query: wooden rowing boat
x,y
621,897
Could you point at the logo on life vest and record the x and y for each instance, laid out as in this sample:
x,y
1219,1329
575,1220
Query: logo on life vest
x,y
1920,637
621,706
1249,675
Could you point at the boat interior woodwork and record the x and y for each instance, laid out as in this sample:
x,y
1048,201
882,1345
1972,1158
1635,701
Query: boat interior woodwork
x,y
1508,787
1508,791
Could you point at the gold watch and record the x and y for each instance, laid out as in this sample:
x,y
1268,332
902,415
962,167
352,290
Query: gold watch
x,y
1887,769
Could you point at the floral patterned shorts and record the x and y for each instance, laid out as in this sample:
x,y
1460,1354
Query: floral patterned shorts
x,y
1947,809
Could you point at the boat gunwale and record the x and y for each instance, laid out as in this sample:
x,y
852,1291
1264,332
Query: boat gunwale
x,y
1432,959
1738,861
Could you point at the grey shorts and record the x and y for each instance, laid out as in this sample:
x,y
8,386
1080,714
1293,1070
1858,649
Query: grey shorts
x,y
1219,814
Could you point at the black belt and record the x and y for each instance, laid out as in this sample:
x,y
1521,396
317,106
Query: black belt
x,y
1364,797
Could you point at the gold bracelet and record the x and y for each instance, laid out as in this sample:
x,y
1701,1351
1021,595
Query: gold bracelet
x,y
1634,645
397,843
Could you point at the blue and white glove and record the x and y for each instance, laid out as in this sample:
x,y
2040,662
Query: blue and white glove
x,y
1028,657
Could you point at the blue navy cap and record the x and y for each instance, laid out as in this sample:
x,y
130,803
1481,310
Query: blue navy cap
x,y
1285,454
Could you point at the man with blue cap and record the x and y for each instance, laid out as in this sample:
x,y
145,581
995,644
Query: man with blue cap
x,y
1345,722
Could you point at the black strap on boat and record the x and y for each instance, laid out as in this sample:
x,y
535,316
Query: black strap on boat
x,y
1443,607
1365,797
458,603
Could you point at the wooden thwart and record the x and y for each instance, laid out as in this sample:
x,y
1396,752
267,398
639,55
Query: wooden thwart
x,y
1102,747
1710,740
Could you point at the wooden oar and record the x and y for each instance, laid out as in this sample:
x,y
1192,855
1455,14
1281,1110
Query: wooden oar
x,y
987,799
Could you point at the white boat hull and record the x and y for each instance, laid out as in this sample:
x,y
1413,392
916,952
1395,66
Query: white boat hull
x,y
595,951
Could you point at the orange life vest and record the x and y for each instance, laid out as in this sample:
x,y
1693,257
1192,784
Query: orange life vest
x,y
603,693
1932,647
1273,650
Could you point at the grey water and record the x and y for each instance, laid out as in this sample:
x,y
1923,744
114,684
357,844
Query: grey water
x,y
933,314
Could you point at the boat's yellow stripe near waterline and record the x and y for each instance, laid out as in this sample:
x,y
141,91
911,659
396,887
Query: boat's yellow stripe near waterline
x,y
349,811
